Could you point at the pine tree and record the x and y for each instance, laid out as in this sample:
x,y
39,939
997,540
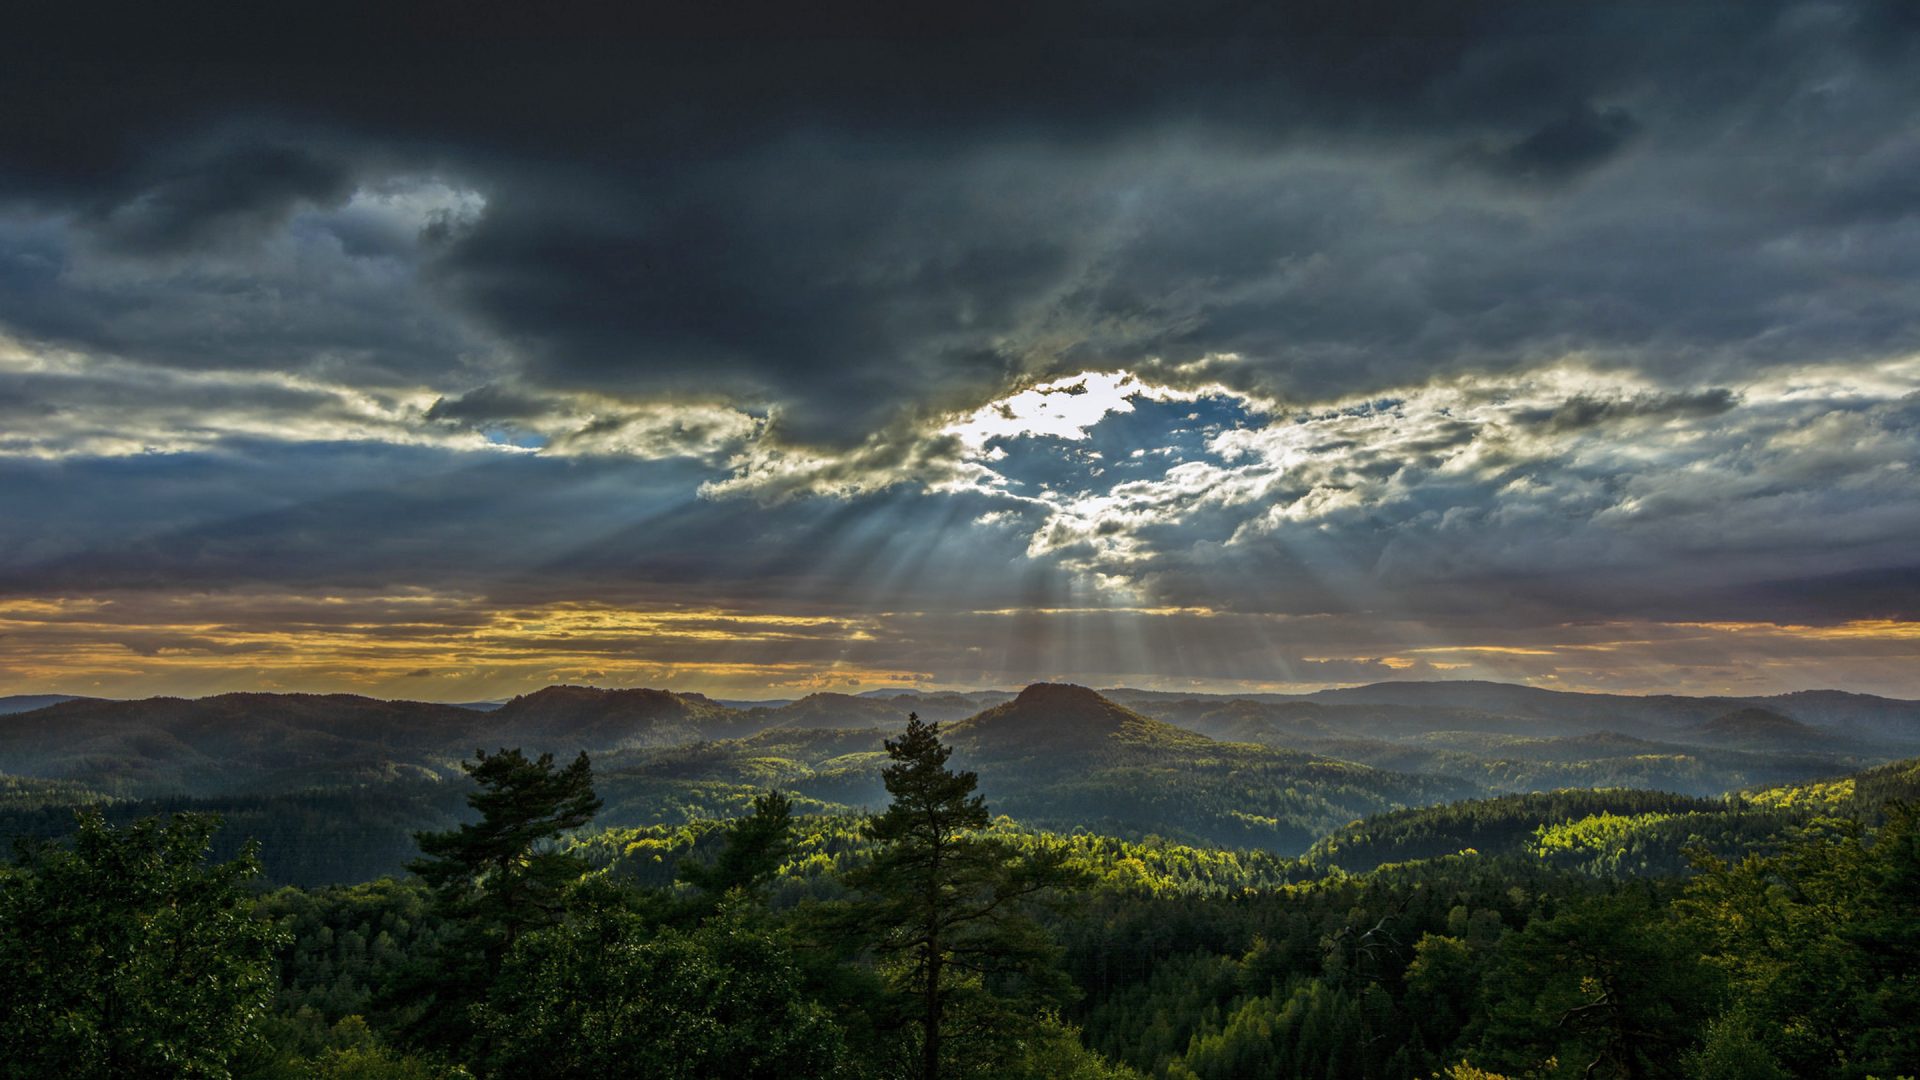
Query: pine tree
x,y
496,879
945,905
755,848
502,871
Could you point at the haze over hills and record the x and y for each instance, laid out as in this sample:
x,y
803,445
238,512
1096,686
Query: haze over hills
x,y
230,741
28,702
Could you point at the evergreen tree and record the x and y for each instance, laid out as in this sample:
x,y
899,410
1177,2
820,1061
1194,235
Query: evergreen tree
x,y
755,848
502,873
1607,988
126,955
944,905
496,879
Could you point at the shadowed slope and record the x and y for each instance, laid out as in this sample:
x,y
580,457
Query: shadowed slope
x,y
1064,719
560,717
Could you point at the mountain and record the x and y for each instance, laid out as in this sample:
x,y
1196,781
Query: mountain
x,y
868,710
1069,720
1566,713
1054,756
231,741
1063,756
1861,714
29,702
566,718
1654,715
1267,771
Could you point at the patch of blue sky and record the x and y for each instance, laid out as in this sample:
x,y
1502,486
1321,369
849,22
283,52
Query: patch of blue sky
x,y
1123,446
514,437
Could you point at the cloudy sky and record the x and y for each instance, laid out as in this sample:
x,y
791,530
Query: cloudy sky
x,y
450,353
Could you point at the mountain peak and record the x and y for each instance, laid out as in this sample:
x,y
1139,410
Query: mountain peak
x,y
1057,694
1063,717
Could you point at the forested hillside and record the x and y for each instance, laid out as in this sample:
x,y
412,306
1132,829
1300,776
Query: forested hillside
x,y
1260,889
1773,932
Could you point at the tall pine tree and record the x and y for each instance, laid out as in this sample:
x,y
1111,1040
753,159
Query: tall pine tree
x,y
496,879
945,907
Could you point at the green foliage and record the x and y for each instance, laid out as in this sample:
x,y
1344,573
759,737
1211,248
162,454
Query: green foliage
x,y
945,908
609,994
1053,1050
825,848
496,879
311,837
344,945
501,875
26,793
1821,945
1542,823
756,924
754,850
502,872
128,955
351,1050
1608,988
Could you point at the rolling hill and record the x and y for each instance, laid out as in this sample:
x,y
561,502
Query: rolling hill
x,y
17,703
1273,772
1614,830
1754,726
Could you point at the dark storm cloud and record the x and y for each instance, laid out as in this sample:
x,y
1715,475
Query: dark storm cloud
x,y
1569,145
844,217
234,194
517,529
1581,411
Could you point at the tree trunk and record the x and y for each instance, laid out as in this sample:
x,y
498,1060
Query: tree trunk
x,y
930,1044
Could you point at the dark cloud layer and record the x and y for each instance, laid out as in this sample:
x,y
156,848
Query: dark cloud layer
x,y
1481,311
834,220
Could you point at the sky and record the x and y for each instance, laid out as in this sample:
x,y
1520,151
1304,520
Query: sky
x,y
445,351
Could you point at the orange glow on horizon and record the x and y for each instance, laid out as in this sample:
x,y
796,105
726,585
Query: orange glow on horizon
x,y
460,647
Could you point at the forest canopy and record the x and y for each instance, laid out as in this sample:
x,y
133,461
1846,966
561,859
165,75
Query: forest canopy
x,y
1589,934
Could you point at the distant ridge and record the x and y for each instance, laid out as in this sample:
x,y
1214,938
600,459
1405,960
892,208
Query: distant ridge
x,y
19,703
229,740
587,716
1754,725
1649,714
1492,731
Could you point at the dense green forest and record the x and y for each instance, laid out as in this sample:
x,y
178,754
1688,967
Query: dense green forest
x,y
1612,933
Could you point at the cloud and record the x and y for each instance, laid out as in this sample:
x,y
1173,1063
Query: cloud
x,y
1432,315
1571,144
234,194
848,230
140,642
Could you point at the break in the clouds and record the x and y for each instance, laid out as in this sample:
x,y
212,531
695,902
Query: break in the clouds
x,y
1577,344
